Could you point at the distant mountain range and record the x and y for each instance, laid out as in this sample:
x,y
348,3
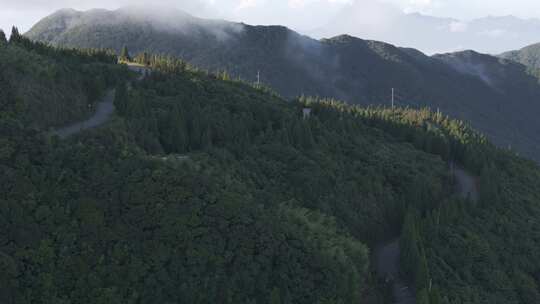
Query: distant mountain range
x,y
430,34
498,96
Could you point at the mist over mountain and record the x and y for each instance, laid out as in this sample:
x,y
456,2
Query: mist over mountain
x,y
374,20
495,95
131,176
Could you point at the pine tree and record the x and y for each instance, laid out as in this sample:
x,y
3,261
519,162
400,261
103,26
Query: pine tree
x,y
207,138
145,59
15,35
410,254
195,132
3,39
124,54
307,136
488,186
181,140
422,272
120,99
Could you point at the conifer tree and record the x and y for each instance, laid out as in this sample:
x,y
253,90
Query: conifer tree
x,y
15,35
3,39
207,138
488,186
120,99
124,54
422,271
180,140
195,132
410,254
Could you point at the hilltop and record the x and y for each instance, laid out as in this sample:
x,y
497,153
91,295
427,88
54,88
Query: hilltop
x,y
208,190
344,67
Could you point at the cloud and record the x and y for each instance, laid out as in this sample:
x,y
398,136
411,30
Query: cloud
x,y
247,4
458,27
297,3
495,33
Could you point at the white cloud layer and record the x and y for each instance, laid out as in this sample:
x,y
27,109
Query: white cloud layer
x,y
302,15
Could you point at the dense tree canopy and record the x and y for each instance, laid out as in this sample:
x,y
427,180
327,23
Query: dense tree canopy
x,y
204,189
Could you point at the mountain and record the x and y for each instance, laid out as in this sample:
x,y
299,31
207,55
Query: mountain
x,y
496,96
202,189
79,77
374,20
529,56
208,190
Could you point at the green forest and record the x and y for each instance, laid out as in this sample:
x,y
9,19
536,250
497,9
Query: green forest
x,y
206,189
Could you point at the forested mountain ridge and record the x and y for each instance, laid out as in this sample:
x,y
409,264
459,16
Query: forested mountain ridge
x,y
53,88
528,56
208,190
351,69
490,35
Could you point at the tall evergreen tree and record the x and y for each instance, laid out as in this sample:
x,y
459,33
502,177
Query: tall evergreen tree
x,y
124,54
15,35
121,99
3,39
422,271
488,186
410,255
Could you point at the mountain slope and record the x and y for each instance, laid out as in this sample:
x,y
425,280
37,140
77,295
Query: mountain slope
x,y
198,190
344,67
207,190
79,79
529,56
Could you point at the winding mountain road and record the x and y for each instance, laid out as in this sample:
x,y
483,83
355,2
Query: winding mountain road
x,y
105,109
387,255
387,266
467,185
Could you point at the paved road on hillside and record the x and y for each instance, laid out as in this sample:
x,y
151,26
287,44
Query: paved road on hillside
x,y
467,185
387,265
387,254
142,70
105,108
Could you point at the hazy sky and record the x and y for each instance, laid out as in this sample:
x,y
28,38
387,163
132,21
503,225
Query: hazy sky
x,y
298,14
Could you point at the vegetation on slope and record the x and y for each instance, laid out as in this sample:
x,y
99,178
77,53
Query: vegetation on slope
x,y
465,251
206,190
496,96
528,56
53,87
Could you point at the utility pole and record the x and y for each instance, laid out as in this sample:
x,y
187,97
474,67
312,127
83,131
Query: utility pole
x,y
258,78
392,98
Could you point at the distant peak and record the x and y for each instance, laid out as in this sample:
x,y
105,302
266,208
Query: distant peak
x,y
344,38
66,11
154,10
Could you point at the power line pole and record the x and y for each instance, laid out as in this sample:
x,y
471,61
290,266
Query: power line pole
x,y
392,98
258,78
